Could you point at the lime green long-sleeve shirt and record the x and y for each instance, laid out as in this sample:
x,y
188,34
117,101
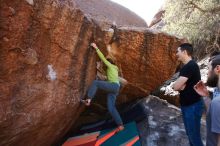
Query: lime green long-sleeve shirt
x,y
112,70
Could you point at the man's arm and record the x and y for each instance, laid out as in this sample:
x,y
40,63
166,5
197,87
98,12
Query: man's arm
x,y
180,83
215,118
202,90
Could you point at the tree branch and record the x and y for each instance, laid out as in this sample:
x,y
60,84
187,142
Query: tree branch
x,y
213,10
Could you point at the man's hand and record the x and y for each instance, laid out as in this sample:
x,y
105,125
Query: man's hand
x,y
94,45
201,89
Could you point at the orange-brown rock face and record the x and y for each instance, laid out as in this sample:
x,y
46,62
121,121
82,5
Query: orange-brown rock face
x,y
146,58
45,68
46,64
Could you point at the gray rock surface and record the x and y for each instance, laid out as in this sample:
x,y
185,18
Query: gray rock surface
x,y
163,125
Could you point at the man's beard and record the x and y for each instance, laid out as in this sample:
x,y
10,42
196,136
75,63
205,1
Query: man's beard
x,y
212,80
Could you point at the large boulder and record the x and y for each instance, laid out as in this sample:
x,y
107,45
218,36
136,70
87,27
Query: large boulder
x,y
105,12
146,57
164,125
47,66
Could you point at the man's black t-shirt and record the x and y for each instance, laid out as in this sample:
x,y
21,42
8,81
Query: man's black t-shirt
x,y
189,96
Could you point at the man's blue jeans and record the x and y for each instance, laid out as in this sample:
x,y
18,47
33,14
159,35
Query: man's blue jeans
x,y
112,89
192,121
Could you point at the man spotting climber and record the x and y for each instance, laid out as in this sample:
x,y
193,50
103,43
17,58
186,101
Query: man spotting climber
x,y
111,86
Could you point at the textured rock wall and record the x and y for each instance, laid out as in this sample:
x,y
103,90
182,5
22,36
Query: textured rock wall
x,y
45,68
46,65
147,58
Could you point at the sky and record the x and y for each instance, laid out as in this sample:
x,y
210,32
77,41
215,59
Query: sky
x,y
144,8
